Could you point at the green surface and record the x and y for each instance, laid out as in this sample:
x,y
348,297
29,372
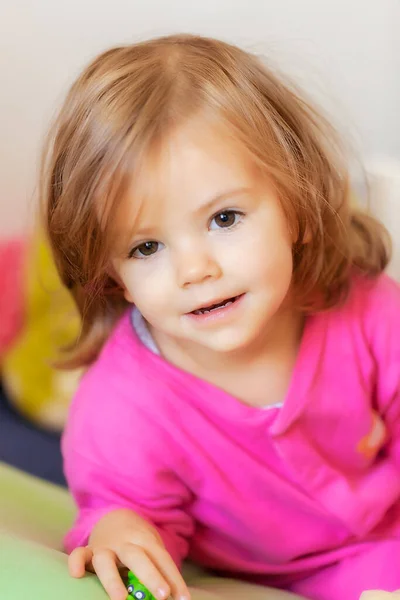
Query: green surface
x,y
34,509
31,571
34,517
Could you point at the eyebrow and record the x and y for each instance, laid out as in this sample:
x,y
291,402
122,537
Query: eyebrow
x,y
203,208
220,197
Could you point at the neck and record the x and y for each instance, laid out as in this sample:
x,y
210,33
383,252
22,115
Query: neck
x,y
281,337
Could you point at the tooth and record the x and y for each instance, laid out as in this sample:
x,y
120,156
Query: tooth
x,y
203,311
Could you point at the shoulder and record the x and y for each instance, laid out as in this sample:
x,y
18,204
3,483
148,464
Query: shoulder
x,y
369,319
123,367
374,301
118,399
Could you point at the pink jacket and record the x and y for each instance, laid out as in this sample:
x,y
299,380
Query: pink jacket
x,y
267,494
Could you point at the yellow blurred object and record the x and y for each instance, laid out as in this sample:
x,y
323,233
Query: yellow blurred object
x,y
35,387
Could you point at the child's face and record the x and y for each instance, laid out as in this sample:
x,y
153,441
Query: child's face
x,y
213,233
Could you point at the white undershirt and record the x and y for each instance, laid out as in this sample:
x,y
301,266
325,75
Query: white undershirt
x,y
142,331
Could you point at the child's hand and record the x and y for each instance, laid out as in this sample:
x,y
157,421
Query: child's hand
x,y
123,539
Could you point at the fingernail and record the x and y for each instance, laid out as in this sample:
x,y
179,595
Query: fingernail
x,y
162,594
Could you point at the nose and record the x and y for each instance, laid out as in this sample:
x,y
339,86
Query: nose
x,y
195,266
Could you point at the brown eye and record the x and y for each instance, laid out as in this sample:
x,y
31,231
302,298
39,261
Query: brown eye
x,y
225,219
144,250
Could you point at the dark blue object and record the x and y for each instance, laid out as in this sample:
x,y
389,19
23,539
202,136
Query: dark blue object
x,y
27,447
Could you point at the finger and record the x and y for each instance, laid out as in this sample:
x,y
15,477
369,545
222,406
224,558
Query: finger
x,y
138,561
78,560
105,566
163,560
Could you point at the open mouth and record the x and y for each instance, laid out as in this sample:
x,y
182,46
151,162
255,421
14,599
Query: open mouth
x,y
214,307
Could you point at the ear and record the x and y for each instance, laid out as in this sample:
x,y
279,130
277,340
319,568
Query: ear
x,y
118,284
120,287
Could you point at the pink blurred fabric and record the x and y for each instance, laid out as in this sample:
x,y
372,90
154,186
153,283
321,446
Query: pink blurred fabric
x,y
12,293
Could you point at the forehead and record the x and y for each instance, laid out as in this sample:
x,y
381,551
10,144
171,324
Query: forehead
x,y
194,164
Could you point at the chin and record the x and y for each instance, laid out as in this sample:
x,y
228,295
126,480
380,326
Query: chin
x,y
230,342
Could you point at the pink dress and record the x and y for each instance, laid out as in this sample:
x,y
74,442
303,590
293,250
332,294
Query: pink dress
x,y
303,497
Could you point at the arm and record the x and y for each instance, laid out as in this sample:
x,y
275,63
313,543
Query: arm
x,y
131,505
384,335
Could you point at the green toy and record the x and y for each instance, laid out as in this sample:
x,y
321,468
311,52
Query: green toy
x,y
137,590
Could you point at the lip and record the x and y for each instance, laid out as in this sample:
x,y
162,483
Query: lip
x,y
217,313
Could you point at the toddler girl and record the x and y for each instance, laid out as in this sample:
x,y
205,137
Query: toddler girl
x,y
241,407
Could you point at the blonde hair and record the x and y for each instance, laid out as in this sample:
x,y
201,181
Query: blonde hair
x,y
127,100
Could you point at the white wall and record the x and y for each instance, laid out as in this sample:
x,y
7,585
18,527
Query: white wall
x,y
344,50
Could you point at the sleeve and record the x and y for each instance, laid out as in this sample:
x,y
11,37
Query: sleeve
x,y
117,455
385,341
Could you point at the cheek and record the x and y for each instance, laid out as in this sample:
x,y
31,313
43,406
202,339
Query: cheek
x,y
274,245
146,286
259,252
276,268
